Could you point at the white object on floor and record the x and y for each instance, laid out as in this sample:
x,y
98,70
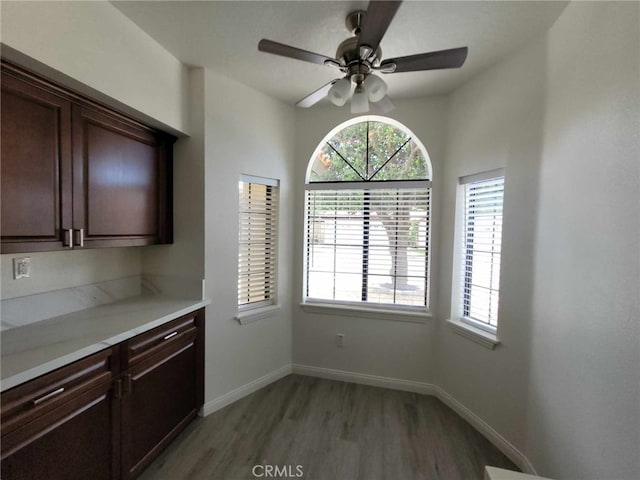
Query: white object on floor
x,y
494,473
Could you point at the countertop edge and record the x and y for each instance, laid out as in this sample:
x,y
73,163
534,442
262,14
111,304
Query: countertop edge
x,y
63,360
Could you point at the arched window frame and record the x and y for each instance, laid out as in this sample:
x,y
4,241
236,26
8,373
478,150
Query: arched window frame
x,y
373,188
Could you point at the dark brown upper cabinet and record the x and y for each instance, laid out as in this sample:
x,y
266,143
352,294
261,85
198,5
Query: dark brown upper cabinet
x,y
35,148
76,174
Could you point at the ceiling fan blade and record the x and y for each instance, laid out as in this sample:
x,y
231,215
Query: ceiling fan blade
x,y
376,21
316,96
283,50
452,58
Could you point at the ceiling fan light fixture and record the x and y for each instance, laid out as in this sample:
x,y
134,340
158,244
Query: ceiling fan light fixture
x,y
359,101
375,87
339,92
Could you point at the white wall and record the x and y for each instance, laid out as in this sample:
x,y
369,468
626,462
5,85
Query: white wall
x,y
184,258
94,48
562,116
381,347
495,121
246,133
58,270
584,385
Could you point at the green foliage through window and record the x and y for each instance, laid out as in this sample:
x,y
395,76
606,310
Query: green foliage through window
x,y
369,151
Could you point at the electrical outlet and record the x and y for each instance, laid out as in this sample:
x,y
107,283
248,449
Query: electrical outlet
x,y
21,267
340,340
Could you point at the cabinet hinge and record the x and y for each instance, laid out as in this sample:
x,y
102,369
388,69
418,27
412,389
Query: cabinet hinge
x,y
126,384
117,388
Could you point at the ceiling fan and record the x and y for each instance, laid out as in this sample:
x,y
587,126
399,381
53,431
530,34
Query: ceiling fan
x,y
359,56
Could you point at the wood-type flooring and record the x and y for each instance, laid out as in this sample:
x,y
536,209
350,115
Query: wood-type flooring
x,y
317,429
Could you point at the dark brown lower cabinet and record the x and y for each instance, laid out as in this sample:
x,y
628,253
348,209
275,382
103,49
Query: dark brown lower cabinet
x,y
109,415
63,424
163,366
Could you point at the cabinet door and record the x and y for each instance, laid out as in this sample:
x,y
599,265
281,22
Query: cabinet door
x,y
161,394
63,425
36,166
121,181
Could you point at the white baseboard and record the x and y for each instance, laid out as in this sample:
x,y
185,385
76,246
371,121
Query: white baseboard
x,y
240,392
501,443
511,452
365,379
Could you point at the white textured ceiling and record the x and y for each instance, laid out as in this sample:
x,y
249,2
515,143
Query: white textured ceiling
x,y
224,35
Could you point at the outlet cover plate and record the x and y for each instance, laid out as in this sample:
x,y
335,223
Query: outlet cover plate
x,y
21,267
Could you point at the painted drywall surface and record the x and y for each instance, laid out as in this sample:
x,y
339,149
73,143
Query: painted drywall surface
x,y
495,121
184,259
94,44
584,397
380,347
57,270
563,385
246,133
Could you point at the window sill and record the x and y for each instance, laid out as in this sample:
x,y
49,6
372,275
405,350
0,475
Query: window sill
x,y
486,339
253,315
394,315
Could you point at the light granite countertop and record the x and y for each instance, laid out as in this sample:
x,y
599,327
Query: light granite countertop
x,y
38,348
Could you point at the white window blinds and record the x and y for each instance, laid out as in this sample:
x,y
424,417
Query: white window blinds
x,y
257,255
368,245
482,246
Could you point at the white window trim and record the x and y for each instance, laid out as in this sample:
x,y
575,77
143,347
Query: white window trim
x,y
481,177
475,334
373,185
270,182
485,335
393,314
251,315
370,310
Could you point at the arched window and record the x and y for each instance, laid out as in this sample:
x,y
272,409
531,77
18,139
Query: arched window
x,y
367,217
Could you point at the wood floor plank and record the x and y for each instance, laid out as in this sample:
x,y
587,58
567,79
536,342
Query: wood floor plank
x,y
331,430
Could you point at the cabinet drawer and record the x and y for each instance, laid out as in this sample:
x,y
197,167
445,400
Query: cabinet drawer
x,y
36,407
149,343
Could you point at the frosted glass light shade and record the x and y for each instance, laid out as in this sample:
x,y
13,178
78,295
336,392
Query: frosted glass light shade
x,y
375,87
339,92
384,106
359,101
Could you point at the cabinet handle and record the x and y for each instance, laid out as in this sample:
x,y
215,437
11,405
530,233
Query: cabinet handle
x,y
67,241
170,335
80,237
46,397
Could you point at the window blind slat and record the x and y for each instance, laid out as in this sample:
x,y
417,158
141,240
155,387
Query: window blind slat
x,y
257,254
482,246
368,245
